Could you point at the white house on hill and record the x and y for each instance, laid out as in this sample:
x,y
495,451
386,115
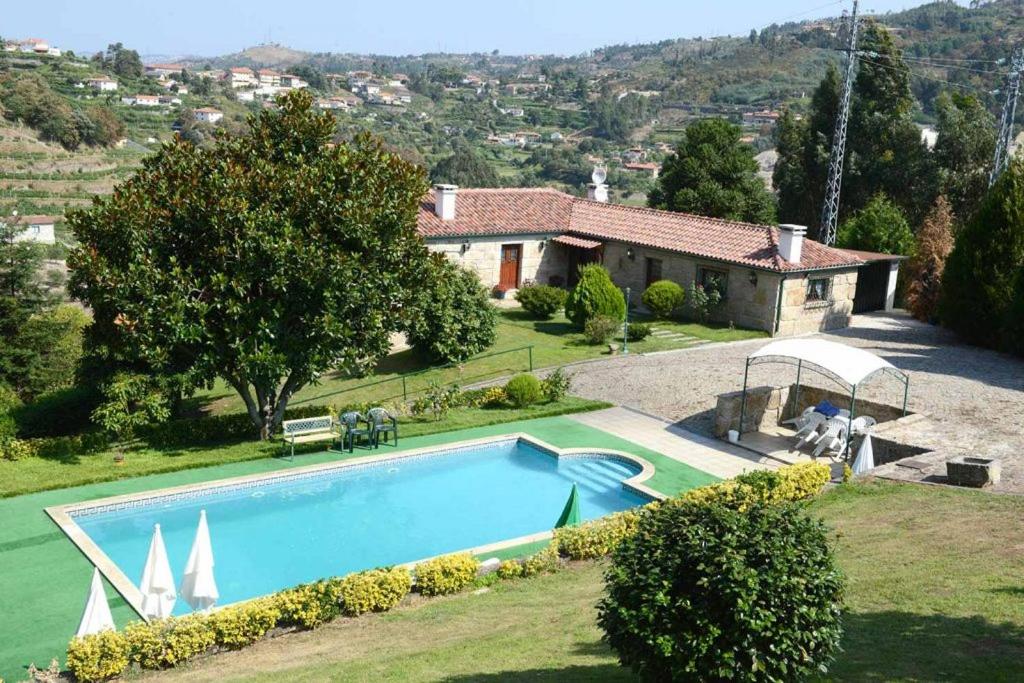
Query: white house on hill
x,y
33,228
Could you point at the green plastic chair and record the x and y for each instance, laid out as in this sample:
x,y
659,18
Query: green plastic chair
x,y
350,423
382,422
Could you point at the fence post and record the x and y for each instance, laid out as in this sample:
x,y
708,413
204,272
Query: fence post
x,y
405,392
530,349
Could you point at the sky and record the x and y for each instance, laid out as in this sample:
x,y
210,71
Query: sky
x,y
398,27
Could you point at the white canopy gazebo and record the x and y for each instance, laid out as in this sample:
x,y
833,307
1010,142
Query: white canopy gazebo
x,y
845,365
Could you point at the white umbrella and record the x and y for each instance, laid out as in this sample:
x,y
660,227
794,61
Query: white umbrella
x,y
865,456
96,617
157,585
197,585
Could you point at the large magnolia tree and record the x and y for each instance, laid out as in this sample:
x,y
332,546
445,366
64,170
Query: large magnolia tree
x,y
265,259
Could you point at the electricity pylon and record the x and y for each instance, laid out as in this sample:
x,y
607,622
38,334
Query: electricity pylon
x,y
1002,157
830,209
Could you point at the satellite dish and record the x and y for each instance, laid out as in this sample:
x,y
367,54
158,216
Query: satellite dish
x,y
599,175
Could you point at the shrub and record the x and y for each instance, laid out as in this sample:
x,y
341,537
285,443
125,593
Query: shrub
x,y
245,624
373,591
438,400
446,575
131,401
595,294
523,390
16,449
556,385
596,538
394,584
74,406
706,591
452,318
638,332
663,298
979,278
98,657
880,226
703,301
545,561
541,301
510,569
311,604
787,484
169,642
599,329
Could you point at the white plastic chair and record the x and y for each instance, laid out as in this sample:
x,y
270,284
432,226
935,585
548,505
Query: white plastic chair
x,y
809,432
862,424
800,420
833,438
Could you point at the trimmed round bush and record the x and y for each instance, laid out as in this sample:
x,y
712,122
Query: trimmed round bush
x,y
595,294
709,592
98,657
638,332
663,298
541,301
523,390
452,318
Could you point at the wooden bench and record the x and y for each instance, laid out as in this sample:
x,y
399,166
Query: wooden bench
x,y
309,430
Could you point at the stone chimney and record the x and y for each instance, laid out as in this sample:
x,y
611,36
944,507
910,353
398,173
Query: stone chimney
x,y
444,201
791,241
597,192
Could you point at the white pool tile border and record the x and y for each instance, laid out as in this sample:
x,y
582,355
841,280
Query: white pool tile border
x,y
64,515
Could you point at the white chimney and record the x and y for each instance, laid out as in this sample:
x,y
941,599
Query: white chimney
x,y
444,201
597,192
791,241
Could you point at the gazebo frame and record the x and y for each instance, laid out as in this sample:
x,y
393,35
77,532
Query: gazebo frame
x,y
847,386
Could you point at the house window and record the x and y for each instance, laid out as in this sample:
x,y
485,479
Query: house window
x,y
653,273
819,289
712,280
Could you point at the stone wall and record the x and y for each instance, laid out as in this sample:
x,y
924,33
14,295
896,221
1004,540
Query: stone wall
x,y
484,257
768,406
799,316
747,304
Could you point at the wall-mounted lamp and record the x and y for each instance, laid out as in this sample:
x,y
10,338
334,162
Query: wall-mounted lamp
x,y
753,278
465,247
630,253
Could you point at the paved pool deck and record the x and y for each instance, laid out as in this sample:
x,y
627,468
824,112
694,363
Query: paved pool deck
x,y
44,578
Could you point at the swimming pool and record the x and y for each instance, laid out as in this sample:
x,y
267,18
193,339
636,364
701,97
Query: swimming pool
x,y
275,531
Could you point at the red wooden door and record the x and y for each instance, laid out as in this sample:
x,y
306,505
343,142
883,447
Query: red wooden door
x,y
510,256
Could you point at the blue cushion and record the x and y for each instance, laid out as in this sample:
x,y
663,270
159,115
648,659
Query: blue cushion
x,y
826,409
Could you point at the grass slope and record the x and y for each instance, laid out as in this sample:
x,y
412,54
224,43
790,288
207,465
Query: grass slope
x,y
933,594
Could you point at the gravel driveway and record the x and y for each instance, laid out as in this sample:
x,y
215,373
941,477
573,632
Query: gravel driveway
x,y
974,397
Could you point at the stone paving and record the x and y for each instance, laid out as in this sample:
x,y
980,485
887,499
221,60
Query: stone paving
x,y
973,397
709,455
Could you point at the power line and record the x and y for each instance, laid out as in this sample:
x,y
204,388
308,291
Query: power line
x,y
1002,155
906,70
925,62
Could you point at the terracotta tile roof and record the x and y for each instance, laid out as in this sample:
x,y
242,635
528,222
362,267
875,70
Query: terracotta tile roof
x,y
544,211
572,241
873,255
499,212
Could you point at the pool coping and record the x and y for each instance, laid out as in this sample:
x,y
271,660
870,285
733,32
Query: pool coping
x,y
61,515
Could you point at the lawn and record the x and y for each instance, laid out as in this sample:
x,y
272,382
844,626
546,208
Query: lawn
x,y
41,474
555,342
934,593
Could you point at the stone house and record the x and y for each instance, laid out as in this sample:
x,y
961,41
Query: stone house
x,y
771,278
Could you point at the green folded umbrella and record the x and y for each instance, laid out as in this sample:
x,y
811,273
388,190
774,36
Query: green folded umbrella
x,y
571,513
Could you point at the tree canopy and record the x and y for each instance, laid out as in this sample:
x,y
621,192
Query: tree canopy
x,y
964,150
712,173
880,226
264,259
466,168
884,151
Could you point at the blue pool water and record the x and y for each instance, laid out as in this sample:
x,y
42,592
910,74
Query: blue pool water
x,y
282,533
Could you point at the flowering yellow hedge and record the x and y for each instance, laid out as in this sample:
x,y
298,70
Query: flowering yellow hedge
x,y
447,574
790,483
